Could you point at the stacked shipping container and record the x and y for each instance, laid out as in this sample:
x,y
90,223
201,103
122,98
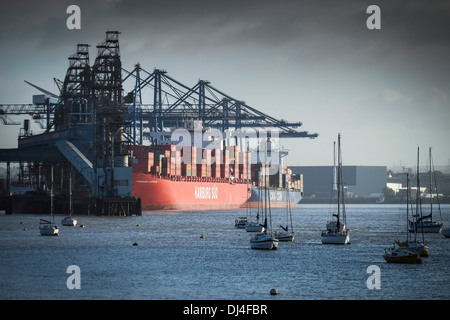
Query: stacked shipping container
x,y
228,163
166,160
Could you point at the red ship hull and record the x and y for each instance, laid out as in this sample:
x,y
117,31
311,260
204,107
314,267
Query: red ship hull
x,y
160,193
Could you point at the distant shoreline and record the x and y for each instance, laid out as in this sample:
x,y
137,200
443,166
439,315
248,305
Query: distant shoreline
x,y
362,200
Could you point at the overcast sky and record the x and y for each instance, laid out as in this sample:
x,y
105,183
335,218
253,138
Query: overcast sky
x,y
386,91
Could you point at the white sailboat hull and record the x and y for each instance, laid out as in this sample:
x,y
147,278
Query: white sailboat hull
x,y
427,227
339,237
48,230
254,227
263,241
337,232
285,236
69,222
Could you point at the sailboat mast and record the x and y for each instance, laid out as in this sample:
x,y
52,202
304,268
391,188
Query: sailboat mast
x,y
431,190
334,168
407,206
339,177
418,204
51,193
435,185
290,211
267,186
340,183
70,192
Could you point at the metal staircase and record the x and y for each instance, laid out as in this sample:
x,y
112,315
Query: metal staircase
x,y
78,160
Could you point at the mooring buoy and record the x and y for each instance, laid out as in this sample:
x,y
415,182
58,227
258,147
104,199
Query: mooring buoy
x,y
273,291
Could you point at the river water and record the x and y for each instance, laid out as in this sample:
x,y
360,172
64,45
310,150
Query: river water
x,y
162,256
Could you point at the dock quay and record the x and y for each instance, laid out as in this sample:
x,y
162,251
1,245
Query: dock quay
x,y
41,204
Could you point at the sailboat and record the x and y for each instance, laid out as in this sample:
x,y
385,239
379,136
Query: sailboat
x,y
337,232
266,239
400,251
400,254
69,220
286,234
425,224
240,222
255,226
415,244
412,243
46,227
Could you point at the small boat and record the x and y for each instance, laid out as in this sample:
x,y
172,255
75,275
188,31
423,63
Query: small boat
x,y
399,254
335,237
263,240
407,251
266,239
254,227
286,234
415,246
241,222
337,232
46,227
426,224
69,221
413,243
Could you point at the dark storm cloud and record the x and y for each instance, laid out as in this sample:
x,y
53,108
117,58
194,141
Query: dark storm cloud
x,y
216,23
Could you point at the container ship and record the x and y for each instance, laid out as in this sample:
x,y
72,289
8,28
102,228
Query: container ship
x,y
170,177
164,182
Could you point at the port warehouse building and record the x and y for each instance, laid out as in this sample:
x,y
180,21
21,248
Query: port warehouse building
x,y
359,181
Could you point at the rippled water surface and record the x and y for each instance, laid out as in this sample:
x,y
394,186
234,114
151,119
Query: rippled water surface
x,y
161,255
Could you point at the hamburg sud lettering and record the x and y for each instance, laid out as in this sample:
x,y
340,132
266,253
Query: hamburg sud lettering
x,y
208,193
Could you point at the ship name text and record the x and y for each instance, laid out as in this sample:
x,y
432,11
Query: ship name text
x,y
206,192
